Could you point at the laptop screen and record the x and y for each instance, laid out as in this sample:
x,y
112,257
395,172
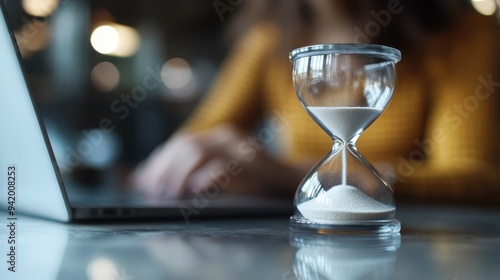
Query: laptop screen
x,y
28,169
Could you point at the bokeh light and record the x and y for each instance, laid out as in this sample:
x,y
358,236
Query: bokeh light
x,y
40,8
105,76
104,39
30,41
485,7
102,269
115,39
176,73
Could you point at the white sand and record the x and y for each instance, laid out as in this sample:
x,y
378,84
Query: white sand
x,y
344,122
342,204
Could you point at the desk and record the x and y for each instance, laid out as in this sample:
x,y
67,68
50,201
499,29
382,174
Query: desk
x,y
435,243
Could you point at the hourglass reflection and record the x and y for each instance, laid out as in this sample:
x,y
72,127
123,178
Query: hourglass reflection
x,y
344,88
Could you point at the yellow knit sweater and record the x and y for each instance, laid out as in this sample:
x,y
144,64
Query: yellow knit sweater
x,y
438,133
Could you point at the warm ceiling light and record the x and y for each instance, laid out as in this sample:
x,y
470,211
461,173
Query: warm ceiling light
x,y
115,39
104,39
40,8
485,7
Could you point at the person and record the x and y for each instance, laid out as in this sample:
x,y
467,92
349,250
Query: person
x,y
435,141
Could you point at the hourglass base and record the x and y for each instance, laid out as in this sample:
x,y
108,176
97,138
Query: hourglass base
x,y
298,224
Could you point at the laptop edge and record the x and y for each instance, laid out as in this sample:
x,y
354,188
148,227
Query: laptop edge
x,y
28,163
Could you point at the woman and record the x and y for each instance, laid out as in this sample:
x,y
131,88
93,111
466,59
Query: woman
x,y
435,140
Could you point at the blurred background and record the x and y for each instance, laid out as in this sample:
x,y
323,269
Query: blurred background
x,y
123,75
140,66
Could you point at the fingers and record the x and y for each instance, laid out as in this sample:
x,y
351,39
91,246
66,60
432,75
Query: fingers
x,y
148,174
183,163
203,178
164,172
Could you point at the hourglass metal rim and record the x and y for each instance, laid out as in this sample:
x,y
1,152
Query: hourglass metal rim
x,y
384,52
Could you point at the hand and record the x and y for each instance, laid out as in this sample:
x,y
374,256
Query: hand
x,y
192,162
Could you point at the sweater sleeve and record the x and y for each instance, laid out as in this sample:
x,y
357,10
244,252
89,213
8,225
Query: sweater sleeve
x,y
235,94
459,144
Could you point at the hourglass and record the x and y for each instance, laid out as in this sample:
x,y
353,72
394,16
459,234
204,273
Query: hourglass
x,y
344,88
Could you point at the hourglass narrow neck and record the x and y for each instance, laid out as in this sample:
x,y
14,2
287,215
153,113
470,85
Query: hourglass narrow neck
x,y
344,122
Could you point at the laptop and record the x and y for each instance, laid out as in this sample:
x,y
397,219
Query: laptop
x,y
31,180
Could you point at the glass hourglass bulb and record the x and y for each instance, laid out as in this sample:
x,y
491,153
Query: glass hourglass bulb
x,y
344,87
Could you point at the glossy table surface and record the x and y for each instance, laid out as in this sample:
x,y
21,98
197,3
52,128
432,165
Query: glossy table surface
x,y
435,243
